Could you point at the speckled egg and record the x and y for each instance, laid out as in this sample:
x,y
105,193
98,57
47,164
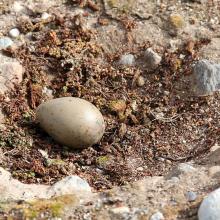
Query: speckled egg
x,y
73,122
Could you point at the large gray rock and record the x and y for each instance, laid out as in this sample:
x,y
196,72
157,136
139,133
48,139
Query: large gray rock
x,y
69,185
12,189
206,78
210,207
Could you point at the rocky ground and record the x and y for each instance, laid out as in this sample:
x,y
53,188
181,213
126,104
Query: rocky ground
x,y
137,61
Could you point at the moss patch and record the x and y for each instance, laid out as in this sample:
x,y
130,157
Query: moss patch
x,y
33,209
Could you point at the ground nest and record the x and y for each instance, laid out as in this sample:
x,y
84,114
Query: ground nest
x,y
149,128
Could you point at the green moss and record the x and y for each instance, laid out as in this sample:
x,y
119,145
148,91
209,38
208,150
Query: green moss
x,y
122,6
102,160
112,3
57,162
177,21
53,207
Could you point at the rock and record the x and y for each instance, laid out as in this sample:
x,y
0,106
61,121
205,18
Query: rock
x,y
210,207
69,185
11,72
152,58
182,168
127,60
120,210
191,196
14,33
47,92
140,81
206,78
5,42
157,216
17,7
45,16
73,122
12,189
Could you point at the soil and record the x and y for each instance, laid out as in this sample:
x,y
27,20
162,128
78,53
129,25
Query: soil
x,y
149,129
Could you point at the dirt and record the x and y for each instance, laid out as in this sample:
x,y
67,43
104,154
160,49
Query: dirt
x,y
149,129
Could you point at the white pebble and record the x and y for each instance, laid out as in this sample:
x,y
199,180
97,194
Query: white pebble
x,y
157,216
17,7
210,207
127,60
47,92
140,169
45,16
120,210
14,33
191,196
140,81
69,185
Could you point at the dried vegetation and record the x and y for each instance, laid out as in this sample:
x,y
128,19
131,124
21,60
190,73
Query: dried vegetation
x,y
149,129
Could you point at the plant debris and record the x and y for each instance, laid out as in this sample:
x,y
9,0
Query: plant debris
x,y
153,126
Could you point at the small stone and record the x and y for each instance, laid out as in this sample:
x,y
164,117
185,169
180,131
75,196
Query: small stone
x,y
47,92
166,93
14,33
127,60
45,16
191,196
43,153
140,81
152,58
175,179
5,42
205,78
134,106
11,73
157,216
73,122
210,207
140,169
69,185
120,210
17,7
182,168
